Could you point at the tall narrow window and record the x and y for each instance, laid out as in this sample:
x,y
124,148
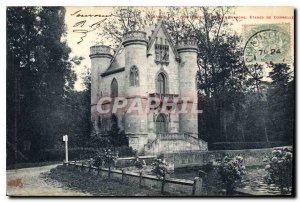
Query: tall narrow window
x,y
114,88
161,84
134,76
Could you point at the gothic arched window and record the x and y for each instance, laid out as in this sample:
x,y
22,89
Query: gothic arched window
x,y
134,76
161,124
161,84
114,88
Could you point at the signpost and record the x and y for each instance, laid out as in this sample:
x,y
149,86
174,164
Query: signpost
x,y
65,139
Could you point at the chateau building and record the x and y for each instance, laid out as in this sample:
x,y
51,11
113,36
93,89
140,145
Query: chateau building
x,y
147,65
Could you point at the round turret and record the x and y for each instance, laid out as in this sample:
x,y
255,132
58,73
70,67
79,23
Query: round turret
x,y
100,60
135,48
188,50
100,51
188,45
135,37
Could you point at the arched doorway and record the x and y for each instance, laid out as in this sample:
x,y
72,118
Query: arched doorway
x,y
161,124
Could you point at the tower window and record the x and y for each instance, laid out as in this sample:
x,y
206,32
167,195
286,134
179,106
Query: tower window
x,y
114,88
161,84
134,76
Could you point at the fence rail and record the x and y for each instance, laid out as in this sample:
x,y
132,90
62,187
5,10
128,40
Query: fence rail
x,y
190,187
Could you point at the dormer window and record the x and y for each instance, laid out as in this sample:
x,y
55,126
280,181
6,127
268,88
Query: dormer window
x,y
161,53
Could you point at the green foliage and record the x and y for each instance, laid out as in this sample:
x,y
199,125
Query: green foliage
x,y
116,136
159,167
99,142
138,163
280,169
38,64
281,106
231,171
105,157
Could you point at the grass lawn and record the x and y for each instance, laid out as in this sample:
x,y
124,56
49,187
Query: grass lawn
x,y
94,185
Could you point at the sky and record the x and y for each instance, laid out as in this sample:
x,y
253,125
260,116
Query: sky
x,y
247,16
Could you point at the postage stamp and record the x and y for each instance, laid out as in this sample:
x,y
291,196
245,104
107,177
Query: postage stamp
x,y
267,43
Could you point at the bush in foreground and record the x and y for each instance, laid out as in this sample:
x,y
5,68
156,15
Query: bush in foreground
x,y
159,167
231,171
280,169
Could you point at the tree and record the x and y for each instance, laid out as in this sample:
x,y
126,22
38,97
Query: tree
x,y
124,19
280,96
38,67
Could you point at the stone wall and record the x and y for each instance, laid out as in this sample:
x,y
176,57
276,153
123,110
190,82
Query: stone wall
x,y
252,157
160,146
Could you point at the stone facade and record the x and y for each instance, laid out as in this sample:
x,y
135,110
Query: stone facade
x,y
163,70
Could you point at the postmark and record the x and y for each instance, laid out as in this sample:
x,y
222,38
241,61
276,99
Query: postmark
x,y
267,43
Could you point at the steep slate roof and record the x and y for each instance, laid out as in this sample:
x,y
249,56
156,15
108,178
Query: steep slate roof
x,y
118,61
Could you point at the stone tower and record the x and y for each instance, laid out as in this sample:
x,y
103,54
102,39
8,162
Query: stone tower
x,y
188,50
147,66
100,60
135,45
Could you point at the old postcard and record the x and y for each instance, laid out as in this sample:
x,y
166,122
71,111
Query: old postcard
x,y
150,101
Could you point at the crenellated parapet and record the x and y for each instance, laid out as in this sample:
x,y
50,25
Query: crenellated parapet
x,y
135,37
188,45
100,51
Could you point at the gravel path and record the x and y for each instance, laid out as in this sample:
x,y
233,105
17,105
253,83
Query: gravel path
x,y
30,182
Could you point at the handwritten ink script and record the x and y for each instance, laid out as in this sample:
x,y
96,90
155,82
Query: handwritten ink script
x,y
15,183
88,25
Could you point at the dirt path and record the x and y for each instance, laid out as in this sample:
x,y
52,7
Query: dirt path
x,y
30,182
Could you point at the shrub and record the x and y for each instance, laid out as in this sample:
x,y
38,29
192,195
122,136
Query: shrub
x,y
280,169
109,157
125,151
106,158
159,167
231,171
139,163
98,160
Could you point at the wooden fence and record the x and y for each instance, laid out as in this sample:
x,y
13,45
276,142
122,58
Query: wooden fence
x,y
171,185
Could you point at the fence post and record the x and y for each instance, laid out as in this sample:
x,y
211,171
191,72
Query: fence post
x,y
75,164
197,186
90,167
82,166
123,175
109,172
163,185
98,170
141,176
